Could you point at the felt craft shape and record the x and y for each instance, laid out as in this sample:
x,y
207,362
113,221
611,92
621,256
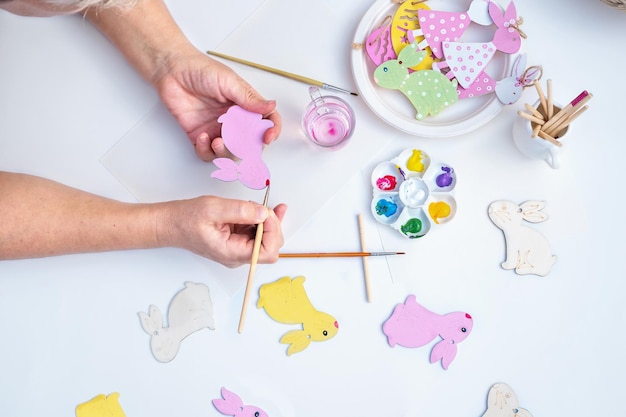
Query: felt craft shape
x,y
231,405
286,301
242,132
405,21
378,44
429,91
437,27
502,402
467,60
412,325
101,406
190,310
508,90
527,250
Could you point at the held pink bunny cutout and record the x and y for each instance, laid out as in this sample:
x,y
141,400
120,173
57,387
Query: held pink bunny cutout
x,y
231,405
467,60
412,325
242,132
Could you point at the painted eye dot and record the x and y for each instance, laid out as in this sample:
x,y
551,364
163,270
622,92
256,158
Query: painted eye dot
x,y
463,329
519,210
257,414
400,62
325,332
385,69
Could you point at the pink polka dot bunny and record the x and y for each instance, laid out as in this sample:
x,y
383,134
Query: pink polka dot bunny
x,y
467,60
437,27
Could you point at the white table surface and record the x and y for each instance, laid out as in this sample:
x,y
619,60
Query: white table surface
x,y
71,110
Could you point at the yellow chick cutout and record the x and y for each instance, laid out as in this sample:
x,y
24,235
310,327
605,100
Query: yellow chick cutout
x,y
101,406
286,301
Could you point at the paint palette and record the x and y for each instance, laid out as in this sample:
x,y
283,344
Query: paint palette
x,y
413,194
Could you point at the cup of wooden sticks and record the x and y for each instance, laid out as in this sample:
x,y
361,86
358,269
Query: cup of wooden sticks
x,y
540,130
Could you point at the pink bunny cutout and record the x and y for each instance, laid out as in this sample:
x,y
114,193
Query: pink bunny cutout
x,y
231,405
467,60
411,325
242,132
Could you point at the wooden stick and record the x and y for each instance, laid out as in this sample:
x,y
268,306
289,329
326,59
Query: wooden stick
x,y
536,131
550,104
565,115
573,105
258,237
286,74
549,138
337,254
531,117
366,270
561,126
534,111
542,98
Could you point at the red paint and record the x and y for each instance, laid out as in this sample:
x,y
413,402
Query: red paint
x,y
388,182
267,182
579,98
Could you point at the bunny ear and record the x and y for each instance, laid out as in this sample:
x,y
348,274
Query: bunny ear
x,y
519,66
496,13
230,404
411,55
156,316
530,75
228,169
444,351
152,322
511,12
531,211
297,340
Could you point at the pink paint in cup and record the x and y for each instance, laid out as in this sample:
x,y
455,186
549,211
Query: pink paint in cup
x,y
328,121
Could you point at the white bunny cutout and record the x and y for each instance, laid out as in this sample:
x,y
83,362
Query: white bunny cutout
x,y
527,250
190,310
509,90
502,402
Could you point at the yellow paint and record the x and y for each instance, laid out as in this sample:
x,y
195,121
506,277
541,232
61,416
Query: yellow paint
x,y
101,406
404,20
286,302
438,210
415,163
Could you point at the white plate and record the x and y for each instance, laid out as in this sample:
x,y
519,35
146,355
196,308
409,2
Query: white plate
x,y
394,107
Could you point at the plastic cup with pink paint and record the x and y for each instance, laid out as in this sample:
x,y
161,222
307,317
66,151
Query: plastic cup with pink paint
x,y
328,121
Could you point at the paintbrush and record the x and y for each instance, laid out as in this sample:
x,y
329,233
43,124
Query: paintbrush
x,y
337,254
293,76
366,269
258,237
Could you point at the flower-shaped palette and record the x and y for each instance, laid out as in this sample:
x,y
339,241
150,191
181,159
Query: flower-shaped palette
x,y
412,194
